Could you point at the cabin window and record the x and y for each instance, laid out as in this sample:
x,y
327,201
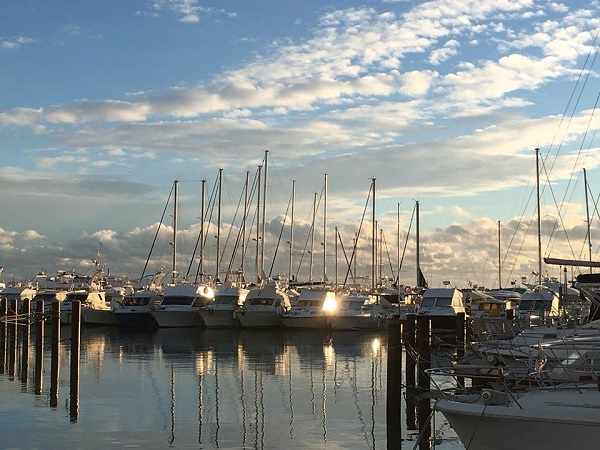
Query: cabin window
x,y
534,305
73,297
261,301
177,300
226,300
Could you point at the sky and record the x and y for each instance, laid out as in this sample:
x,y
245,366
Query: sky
x,y
105,104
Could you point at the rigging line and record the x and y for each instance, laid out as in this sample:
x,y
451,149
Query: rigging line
x,y
510,273
157,231
387,250
196,249
345,255
406,243
358,234
587,235
597,213
253,191
202,235
308,235
581,72
238,237
230,232
305,244
279,239
560,216
575,107
521,217
575,164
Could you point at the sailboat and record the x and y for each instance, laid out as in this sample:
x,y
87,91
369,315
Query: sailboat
x,y
267,300
181,301
314,302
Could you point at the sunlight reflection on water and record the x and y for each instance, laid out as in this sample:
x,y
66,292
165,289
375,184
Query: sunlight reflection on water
x,y
191,388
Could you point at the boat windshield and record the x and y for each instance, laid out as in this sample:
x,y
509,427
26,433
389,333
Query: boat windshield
x,y
437,302
178,300
487,306
315,303
73,297
226,300
47,297
136,301
262,301
534,305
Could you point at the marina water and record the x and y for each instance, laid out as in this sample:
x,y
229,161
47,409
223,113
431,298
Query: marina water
x,y
208,389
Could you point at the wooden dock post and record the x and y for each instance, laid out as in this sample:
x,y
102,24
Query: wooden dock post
x,y
39,347
54,360
394,387
460,342
410,341
25,329
3,327
75,356
424,403
12,339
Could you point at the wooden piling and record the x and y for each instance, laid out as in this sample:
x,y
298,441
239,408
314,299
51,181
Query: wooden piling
x,y
39,347
460,342
25,329
12,338
75,356
394,387
54,359
411,364
3,327
424,403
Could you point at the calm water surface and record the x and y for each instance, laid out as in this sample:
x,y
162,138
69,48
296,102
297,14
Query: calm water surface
x,y
208,389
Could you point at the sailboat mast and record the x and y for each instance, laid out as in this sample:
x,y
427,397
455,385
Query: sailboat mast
x,y
219,227
244,221
325,231
202,236
292,230
175,199
499,260
398,251
264,216
587,210
258,228
336,259
380,253
417,245
539,214
312,239
373,238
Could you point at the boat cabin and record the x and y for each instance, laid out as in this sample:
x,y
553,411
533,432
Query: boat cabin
x,y
442,301
539,304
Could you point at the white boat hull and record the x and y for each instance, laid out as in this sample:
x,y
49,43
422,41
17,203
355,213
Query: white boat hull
x,y
305,322
90,316
218,318
357,322
556,421
133,317
176,318
258,319
65,316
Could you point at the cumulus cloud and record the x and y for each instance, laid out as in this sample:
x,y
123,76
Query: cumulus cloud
x,y
371,92
15,42
187,11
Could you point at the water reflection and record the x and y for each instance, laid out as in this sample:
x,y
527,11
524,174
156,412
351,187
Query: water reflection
x,y
218,389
